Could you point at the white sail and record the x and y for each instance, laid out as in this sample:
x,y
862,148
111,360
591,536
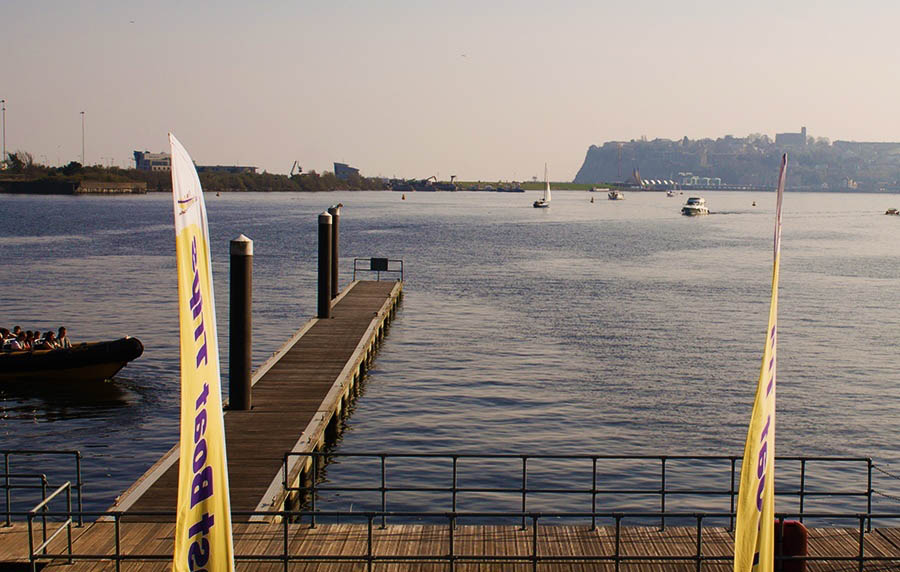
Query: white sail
x,y
546,185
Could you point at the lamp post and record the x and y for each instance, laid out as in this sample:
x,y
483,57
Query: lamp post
x,y
3,111
82,139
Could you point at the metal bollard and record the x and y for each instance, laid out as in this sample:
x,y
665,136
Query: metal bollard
x,y
240,338
335,212
324,265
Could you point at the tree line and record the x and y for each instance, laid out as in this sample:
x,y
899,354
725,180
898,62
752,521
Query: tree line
x,y
21,165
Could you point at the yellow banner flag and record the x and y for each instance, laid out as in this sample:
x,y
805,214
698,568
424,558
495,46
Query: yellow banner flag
x,y
754,536
203,520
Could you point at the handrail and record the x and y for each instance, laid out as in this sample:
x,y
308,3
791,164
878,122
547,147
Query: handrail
x,y
661,488
378,265
79,483
41,508
8,486
534,555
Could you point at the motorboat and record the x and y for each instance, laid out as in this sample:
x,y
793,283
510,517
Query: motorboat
x,y
892,211
84,362
670,193
695,206
544,201
615,195
599,189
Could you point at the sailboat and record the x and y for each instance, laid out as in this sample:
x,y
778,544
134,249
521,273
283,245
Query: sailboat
x,y
544,201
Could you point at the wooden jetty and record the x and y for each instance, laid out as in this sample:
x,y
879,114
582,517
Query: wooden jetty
x,y
261,546
299,395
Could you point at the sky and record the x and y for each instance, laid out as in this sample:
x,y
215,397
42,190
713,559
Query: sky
x,y
482,89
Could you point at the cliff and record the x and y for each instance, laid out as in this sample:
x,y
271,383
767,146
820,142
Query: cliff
x,y
751,161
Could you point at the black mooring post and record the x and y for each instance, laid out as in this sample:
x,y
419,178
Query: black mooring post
x,y
335,212
324,265
240,339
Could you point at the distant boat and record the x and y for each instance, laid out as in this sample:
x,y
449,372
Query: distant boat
x,y
670,193
599,189
695,206
892,212
544,201
616,195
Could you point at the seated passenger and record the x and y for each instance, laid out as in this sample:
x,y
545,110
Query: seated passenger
x,y
62,339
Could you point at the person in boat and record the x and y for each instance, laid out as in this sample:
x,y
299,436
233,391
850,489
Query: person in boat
x,y
48,342
62,340
18,343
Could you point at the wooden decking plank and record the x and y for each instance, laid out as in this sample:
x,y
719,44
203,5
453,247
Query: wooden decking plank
x,y
430,540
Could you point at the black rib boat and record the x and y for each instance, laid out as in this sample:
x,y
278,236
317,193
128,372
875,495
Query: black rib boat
x,y
90,361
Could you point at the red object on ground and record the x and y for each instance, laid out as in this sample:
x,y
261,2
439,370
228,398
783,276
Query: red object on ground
x,y
791,539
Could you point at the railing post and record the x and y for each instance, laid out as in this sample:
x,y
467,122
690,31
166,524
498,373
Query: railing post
x,y
699,541
284,552
662,495
869,493
534,541
69,523
31,555
240,339
524,486
383,494
369,543
455,461
118,543
594,494
44,512
335,212
450,555
862,541
8,494
324,305
731,520
80,485
618,540
802,486
315,475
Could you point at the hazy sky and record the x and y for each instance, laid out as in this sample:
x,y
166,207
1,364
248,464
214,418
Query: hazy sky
x,y
478,89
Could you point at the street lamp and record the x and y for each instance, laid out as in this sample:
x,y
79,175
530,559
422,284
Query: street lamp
x,y
82,139
3,111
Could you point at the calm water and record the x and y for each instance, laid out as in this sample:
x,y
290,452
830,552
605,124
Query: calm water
x,y
611,328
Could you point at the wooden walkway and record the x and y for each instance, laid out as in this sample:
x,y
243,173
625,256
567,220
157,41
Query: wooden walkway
x,y
257,540
298,397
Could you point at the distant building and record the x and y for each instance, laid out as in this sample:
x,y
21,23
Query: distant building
x,y
234,169
798,139
147,161
343,171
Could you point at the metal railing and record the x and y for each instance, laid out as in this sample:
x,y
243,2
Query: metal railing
x,y
9,475
41,509
378,265
601,484
612,550
9,486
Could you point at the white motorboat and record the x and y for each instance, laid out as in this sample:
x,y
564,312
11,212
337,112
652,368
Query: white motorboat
x,y
670,193
615,195
695,206
544,201
599,189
